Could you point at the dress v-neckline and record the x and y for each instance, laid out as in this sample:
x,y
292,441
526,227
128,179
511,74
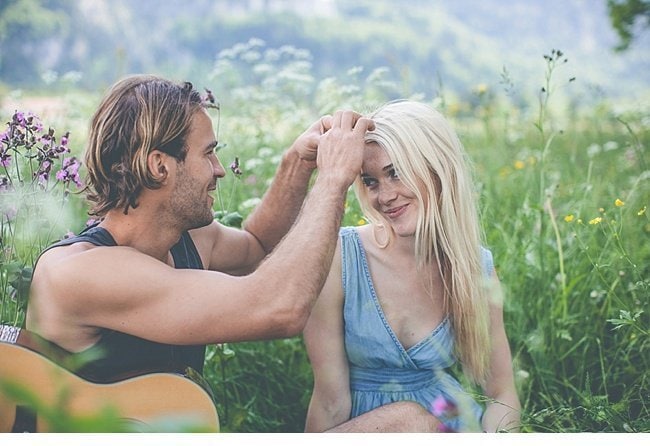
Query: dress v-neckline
x,y
405,351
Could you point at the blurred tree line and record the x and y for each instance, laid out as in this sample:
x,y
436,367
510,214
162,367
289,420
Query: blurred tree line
x,y
93,42
628,17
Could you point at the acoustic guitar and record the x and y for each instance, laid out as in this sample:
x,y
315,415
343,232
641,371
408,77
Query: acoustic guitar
x,y
33,385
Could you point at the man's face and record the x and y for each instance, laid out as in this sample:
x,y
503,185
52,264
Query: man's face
x,y
196,176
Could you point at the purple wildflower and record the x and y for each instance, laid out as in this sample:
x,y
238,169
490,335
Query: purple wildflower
x,y
37,125
209,101
45,139
70,171
43,173
234,166
19,119
5,158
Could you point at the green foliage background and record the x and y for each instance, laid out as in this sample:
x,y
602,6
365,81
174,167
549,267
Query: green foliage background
x,y
574,263
564,189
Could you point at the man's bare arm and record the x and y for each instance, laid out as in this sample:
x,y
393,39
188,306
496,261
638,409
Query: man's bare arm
x,y
274,215
277,211
239,252
123,289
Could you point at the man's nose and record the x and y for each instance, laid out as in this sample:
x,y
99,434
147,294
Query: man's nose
x,y
217,169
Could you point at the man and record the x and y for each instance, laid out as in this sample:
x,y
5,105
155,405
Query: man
x,y
158,278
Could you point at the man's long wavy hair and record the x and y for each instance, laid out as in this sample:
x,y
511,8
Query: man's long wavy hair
x,y
138,114
431,162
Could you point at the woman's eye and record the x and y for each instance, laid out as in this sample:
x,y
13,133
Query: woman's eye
x,y
368,182
393,173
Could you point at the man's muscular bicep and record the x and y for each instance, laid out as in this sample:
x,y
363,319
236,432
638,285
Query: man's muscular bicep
x,y
125,290
228,250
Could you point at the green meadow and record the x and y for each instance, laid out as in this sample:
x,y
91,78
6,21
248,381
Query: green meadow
x,y
564,191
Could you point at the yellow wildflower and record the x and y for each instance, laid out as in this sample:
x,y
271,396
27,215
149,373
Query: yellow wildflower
x,y
569,218
601,209
361,221
481,88
641,211
453,109
595,221
519,164
619,203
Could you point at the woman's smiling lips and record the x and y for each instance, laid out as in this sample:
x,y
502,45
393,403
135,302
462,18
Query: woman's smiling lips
x,y
395,212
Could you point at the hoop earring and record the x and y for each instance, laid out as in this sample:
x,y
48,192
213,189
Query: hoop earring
x,y
377,227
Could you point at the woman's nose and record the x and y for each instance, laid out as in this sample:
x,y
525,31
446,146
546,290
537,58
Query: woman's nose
x,y
387,193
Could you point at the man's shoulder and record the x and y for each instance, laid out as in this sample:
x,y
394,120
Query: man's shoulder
x,y
76,257
57,253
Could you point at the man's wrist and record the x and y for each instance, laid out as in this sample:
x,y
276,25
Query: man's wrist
x,y
332,184
292,155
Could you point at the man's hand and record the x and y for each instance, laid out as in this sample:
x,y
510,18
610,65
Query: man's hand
x,y
340,149
306,145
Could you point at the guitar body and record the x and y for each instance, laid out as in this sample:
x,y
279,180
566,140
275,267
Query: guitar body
x,y
149,400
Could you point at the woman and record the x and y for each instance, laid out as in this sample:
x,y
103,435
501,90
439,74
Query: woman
x,y
412,290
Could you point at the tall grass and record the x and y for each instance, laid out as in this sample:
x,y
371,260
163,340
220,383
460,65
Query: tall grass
x,y
564,198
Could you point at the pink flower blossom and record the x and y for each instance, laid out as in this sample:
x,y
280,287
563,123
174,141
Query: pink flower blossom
x,y
444,429
443,407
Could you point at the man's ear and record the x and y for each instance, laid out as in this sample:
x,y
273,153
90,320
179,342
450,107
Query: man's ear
x,y
158,165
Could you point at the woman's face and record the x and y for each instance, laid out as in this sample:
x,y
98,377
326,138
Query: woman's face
x,y
386,192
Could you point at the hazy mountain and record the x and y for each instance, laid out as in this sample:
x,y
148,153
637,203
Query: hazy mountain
x,y
460,43
522,30
427,43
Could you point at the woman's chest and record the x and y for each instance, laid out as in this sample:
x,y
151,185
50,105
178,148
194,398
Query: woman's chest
x,y
411,300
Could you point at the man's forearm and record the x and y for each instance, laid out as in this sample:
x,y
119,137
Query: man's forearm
x,y
294,274
276,213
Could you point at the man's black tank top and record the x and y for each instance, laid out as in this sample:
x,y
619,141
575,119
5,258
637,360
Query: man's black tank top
x,y
122,355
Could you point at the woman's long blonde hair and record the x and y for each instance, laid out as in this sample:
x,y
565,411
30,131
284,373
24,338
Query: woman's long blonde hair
x,y
431,162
